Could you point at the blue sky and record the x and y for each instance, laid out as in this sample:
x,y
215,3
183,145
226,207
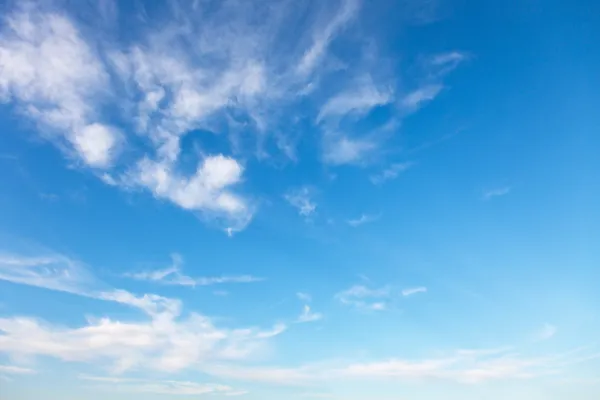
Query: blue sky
x,y
299,199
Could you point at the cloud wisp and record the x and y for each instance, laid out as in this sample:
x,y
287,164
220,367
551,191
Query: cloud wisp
x,y
497,192
166,341
172,275
364,298
168,387
466,367
414,290
390,173
301,199
363,219
125,110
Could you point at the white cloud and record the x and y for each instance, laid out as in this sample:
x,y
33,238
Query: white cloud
x,y
411,291
56,79
165,341
443,63
172,275
363,219
390,173
52,271
128,385
417,98
323,37
302,200
357,101
364,298
206,190
339,150
461,366
13,369
497,192
226,68
546,332
309,316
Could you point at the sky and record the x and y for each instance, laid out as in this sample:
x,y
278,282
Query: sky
x,y
345,199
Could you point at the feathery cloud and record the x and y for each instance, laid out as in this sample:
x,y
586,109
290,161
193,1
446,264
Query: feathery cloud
x,y
172,275
364,298
420,96
301,199
183,388
363,219
390,173
411,291
165,341
309,316
497,192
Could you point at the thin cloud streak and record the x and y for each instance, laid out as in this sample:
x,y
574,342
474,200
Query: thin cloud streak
x,y
172,275
497,192
413,291
363,219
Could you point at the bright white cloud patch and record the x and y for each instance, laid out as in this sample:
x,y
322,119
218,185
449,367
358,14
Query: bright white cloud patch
x,y
165,341
55,78
132,107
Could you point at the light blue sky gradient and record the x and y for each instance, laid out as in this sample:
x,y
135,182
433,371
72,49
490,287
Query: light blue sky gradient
x,y
300,199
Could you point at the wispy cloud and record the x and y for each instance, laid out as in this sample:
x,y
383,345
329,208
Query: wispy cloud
x,y
52,74
209,66
363,219
165,341
340,149
412,291
420,96
496,192
185,388
324,36
365,298
468,367
172,275
355,101
548,331
308,315
13,369
390,173
305,297
301,199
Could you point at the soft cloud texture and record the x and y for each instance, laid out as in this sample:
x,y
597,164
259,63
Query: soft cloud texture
x,y
390,173
166,341
182,388
172,275
301,199
363,219
412,291
207,69
497,192
365,298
